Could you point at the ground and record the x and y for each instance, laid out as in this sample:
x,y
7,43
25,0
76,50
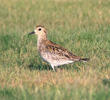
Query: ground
x,y
81,26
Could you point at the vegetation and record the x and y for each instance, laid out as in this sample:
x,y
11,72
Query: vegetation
x,y
82,26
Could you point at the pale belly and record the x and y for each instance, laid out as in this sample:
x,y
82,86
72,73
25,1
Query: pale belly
x,y
55,60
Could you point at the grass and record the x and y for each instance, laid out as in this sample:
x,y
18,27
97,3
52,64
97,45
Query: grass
x,y
81,26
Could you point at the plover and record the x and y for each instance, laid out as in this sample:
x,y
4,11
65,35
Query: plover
x,y
51,52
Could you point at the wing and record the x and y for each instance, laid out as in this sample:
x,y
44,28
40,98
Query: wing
x,y
62,52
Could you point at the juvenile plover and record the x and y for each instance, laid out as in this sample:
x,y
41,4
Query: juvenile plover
x,y
51,52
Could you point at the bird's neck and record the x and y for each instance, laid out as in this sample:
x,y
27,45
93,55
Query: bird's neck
x,y
41,40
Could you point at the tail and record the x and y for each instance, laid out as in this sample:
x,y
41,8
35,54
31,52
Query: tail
x,y
84,59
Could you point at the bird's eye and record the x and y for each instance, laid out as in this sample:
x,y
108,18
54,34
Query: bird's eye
x,y
39,29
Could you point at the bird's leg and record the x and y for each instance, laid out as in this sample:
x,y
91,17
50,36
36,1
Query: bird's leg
x,y
53,68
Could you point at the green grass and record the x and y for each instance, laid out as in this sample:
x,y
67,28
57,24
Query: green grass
x,y
53,93
83,27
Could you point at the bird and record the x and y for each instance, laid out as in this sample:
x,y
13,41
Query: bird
x,y
51,52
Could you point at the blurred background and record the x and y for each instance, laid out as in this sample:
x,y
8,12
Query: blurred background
x,y
81,26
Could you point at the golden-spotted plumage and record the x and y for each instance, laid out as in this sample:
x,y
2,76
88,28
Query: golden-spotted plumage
x,y
58,50
51,52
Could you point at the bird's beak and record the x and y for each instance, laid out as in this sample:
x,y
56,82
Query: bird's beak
x,y
32,33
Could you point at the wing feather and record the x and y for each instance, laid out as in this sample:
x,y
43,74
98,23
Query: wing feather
x,y
58,50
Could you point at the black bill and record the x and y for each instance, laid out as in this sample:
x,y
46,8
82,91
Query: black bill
x,y
31,33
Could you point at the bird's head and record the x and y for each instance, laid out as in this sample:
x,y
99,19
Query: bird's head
x,y
39,30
